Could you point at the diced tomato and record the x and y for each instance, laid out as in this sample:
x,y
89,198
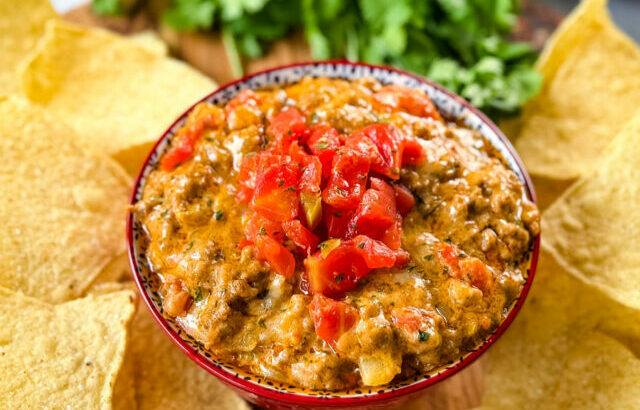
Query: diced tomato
x,y
301,236
348,179
331,318
402,258
464,267
204,115
413,153
179,153
388,140
376,212
276,195
413,319
277,256
415,102
250,167
336,273
287,126
324,143
478,273
375,253
367,148
404,199
311,176
337,220
449,254
392,237
258,225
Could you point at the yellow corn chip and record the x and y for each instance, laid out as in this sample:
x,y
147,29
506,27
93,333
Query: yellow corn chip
x,y
601,365
21,25
116,271
63,208
167,379
528,363
593,230
591,87
119,96
150,41
62,356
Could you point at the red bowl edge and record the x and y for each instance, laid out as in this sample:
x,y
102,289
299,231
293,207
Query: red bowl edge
x,y
254,392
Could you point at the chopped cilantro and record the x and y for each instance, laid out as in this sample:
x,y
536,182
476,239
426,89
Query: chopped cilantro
x,y
322,145
219,215
262,231
423,336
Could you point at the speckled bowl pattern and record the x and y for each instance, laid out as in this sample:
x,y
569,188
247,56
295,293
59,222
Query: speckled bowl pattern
x,y
277,395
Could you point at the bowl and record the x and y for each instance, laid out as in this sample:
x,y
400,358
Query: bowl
x,y
272,394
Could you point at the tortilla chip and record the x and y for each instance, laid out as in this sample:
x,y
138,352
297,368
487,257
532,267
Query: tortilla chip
x,y
528,363
591,87
116,271
62,356
167,379
602,365
548,190
151,42
21,25
63,208
120,97
593,230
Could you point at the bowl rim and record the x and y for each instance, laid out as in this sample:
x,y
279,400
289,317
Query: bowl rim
x,y
287,397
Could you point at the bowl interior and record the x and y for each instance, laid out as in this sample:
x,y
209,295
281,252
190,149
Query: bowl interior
x,y
449,104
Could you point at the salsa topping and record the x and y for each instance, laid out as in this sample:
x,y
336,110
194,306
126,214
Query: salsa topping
x,y
305,170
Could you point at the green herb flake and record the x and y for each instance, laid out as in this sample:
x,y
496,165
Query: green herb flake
x,y
262,231
219,215
428,257
290,189
322,145
361,245
198,296
261,323
423,336
338,278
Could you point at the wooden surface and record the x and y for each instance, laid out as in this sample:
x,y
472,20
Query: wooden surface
x,y
206,53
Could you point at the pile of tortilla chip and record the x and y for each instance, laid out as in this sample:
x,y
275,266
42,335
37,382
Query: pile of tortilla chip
x,y
79,110
576,341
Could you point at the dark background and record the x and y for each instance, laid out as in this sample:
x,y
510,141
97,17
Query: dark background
x,y
625,12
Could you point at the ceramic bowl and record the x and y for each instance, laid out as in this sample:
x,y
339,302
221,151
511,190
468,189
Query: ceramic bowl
x,y
282,396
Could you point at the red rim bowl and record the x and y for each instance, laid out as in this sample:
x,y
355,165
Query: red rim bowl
x,y
265,394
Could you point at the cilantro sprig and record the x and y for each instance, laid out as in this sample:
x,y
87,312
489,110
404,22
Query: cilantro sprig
x,y
461,44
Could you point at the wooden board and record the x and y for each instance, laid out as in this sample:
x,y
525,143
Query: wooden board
x,y
206,53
